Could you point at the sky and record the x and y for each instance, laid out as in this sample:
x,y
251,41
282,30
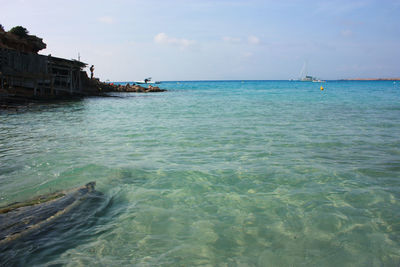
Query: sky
x,y
219,39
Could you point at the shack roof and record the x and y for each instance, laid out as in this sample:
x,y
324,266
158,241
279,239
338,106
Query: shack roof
x,y
67,62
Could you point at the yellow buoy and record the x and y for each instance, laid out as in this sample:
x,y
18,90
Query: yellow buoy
x,y
322,88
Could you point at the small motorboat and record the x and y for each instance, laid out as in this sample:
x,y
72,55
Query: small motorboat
x,y
147,81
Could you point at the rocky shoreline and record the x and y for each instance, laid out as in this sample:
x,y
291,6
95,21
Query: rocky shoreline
x,y
27,77
15,98
130,88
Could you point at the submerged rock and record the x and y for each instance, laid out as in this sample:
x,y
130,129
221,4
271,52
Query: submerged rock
x,y
19,219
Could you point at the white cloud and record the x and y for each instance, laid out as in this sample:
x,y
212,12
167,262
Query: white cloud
x,y
347,33
233,40
247,54
163,38
340,6
106,19
253,40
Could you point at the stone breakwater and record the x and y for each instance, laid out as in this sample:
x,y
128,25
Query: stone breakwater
x,y
137,88
95,87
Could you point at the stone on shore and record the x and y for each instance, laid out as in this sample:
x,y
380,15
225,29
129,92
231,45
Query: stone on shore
x,y
134,88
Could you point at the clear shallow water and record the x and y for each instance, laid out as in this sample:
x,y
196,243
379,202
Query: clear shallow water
x,y
254,173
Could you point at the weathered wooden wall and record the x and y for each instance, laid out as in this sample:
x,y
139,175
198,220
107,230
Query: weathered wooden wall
x,y
42,75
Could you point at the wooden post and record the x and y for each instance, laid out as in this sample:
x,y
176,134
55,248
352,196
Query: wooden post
x,y
70,80
47,77
35,88
79,80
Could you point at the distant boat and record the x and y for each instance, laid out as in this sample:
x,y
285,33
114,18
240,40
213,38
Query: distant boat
x,y
147,81
307,78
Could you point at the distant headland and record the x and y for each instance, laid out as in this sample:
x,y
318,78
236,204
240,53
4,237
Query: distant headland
x,y
371,79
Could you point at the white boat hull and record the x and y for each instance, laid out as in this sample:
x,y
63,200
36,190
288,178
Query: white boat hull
x,y
147,81
143,82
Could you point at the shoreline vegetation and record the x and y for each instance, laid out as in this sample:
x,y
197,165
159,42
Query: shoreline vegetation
x,y
27,77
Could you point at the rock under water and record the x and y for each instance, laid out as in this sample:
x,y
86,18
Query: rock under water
x,y
19,219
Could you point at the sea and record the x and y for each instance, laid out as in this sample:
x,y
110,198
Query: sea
x,y
212,173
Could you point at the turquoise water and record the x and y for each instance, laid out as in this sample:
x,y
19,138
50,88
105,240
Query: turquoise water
x,y
252,173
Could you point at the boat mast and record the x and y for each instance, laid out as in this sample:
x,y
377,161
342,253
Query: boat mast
x,y
303,72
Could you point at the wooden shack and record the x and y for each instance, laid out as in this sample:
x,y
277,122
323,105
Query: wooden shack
x,y
31,74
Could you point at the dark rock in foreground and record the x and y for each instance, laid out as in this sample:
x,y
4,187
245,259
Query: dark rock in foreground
x,y
20,219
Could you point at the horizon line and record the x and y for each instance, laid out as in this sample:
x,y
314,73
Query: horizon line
x,y
255,80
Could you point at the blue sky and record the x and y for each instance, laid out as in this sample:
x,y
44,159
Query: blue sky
x,y
220,39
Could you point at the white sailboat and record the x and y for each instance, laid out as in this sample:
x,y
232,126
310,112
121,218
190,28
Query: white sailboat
x,y
304,77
